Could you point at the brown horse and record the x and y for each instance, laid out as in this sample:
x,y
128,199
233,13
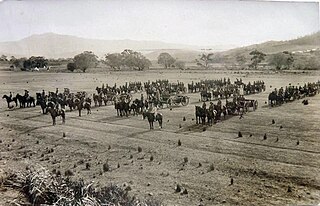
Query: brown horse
x,y
151,118
9,99
55,113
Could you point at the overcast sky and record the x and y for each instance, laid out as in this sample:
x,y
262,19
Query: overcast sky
x,y
195,22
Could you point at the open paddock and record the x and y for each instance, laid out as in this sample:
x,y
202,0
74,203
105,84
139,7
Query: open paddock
x,y
281,169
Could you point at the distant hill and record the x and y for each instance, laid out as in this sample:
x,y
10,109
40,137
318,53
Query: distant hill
x,y
53,45
301,44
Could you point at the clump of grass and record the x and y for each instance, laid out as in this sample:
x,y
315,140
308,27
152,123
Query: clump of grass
x,y
106,167
68,173
88,165
211,167
185,160
139,149
178,188
185,192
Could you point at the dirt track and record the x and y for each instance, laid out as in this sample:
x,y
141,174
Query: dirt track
x,y
262,170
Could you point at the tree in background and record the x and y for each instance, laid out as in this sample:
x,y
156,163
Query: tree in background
x,y
71,66
282,60
135,60
289,59
180,64
114,60
18,63
241,60
34,62
257,58
166,60
85,60
204,60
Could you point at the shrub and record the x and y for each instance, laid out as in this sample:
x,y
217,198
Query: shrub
x,y
71,66
106,167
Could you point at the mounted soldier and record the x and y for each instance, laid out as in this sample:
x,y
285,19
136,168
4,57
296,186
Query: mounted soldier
x,y
26,94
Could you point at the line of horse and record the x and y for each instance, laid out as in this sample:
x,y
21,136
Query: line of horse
x,y
23,101
292,93
214,113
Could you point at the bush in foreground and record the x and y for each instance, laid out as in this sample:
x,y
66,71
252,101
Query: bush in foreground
x,y
43,188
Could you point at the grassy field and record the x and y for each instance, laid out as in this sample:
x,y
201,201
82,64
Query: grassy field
x,y
264,172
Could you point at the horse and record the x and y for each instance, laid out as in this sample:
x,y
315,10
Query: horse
x,y
139,105
211,115
124,108
275,99
9,99
70,102
55,113
134,108
152,117
251,103
200,115
24,101
87,106
42,102
97,100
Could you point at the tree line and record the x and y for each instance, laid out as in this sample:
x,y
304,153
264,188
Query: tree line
x,y
129,59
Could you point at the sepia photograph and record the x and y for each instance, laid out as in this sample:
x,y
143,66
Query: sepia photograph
x,y
159,103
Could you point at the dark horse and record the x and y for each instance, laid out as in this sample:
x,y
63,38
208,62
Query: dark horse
x,y
83,104
55,113
42,102
24,101
9,99
200,115
151,118
123,108
275,99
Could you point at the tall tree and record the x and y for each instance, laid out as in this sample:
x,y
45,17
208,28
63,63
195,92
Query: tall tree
x,y
282,60
114,60
71,66
135,60
257,58
204,60
85,60
241,60
166,60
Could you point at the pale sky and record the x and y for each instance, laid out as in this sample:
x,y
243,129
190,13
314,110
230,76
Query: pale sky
x,y
194,22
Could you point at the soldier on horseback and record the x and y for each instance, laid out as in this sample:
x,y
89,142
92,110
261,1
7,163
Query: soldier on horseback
x,y
219,104
204,106
26,94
